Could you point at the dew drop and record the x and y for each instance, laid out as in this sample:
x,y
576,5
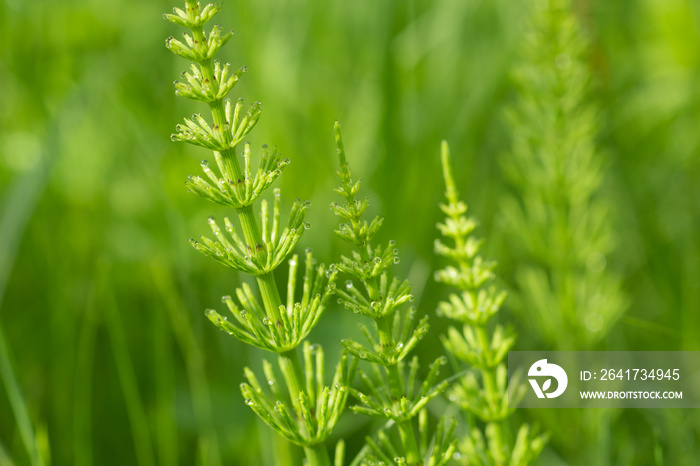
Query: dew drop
x,y
348,284
307,225
266,321
396,259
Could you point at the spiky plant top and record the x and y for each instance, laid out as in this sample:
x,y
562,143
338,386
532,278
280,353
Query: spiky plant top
x,y
482,392
309,410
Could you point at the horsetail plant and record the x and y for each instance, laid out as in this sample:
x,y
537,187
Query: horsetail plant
x,y
309,410
482,393
561,228
560,224
393,392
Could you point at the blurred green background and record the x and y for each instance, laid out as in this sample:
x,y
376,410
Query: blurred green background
x,y
102,299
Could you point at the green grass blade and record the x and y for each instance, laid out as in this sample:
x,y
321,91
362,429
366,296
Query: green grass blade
x,y
19,408
201,398
19,204
166,432
84,370
127,377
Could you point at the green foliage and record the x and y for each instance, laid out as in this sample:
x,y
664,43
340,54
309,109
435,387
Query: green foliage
x,y
482,392
234,189
318,407
293,322
268,254
438,453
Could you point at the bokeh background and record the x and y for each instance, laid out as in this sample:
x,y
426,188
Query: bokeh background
x,y
106,357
